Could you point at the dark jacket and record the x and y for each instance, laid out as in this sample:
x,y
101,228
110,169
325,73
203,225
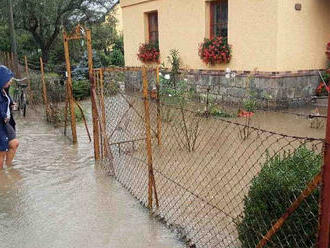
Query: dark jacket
x,y
3,116
11,121
5,76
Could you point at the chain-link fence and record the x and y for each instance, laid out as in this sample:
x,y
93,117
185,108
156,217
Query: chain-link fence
x,y
210,175
45,91
216,180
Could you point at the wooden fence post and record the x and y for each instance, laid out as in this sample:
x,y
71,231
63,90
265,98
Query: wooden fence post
x,y
11,57
9,60
44,89
6,59
28,78
12,62
2,58
69,89
151,178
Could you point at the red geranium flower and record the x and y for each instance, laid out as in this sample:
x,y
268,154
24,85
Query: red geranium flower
x,y
215,51
149,53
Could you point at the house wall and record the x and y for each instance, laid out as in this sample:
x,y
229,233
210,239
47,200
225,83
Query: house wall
x,y
266,35
303,35
285,46
183,24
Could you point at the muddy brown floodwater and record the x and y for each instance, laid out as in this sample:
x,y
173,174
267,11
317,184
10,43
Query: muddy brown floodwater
x,y
201,191
55,196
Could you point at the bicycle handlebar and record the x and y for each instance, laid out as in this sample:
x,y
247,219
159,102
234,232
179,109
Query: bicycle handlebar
x,y
19,80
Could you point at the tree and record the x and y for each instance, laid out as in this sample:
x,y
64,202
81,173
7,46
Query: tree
x,y
104,36
44,19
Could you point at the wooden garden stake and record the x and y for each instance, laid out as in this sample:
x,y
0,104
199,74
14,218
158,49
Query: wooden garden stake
x,y
28,77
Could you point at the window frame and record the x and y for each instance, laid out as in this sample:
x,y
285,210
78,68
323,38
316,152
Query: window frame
x,y
212,10
149,16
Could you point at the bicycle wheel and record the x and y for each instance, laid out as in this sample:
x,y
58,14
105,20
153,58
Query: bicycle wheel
x,y
16,98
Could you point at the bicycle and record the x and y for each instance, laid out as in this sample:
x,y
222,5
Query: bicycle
x,y
20,97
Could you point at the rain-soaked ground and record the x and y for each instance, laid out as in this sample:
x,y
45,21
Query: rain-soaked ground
x,y
55,196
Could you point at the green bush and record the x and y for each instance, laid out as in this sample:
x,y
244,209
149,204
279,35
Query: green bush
x,y
116,58
217,112
51,75
81,89
250,105
280,182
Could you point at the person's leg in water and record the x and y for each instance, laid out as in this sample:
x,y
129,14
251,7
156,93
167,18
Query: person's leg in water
x,y
13,145
2,159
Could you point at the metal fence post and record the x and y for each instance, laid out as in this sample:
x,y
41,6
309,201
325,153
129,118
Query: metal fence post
x,y
69,88
324,228
44,89
105,152
159,118
28,78
96,133
151,178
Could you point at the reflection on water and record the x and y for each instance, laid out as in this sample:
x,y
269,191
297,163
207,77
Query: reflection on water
x,y
291,122
54,197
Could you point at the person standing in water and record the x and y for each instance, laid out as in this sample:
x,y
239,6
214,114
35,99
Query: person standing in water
x,y
8,141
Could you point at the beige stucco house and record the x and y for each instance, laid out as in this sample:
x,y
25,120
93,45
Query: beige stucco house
x,y
116,12
279,38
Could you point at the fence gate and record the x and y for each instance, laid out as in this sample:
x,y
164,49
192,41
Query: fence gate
x,y
125,130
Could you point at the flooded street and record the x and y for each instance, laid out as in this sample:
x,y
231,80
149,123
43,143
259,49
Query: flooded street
x,y
55,197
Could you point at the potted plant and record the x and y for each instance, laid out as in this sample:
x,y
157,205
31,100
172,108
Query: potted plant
x,y
215,51
149,53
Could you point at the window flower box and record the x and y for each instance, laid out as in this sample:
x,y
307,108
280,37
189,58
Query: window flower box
x,y
215,51
149,53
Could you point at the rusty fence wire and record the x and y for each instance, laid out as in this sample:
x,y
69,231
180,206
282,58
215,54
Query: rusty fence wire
x,y
217,181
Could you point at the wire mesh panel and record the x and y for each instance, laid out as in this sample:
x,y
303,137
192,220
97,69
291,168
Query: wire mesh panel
x,y
121,115
225,184
220,181
35,94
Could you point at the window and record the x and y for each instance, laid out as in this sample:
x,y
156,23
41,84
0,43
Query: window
x,y
153,27
219,18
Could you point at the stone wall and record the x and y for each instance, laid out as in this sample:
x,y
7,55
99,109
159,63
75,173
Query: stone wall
x,y
279,90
